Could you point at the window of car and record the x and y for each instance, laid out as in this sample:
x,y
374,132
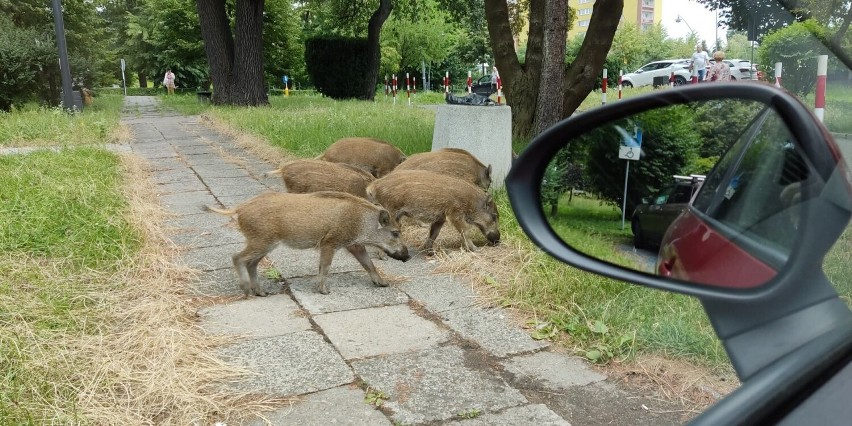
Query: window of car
x,y
756,188
681,194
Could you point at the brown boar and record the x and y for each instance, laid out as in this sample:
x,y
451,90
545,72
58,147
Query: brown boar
x,y
433,198
373,155
452,162
325,220
304,176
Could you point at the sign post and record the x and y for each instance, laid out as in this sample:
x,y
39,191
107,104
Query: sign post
x,y
123,81
630,149
286,86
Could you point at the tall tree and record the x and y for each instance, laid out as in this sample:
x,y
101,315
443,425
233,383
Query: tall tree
x,y
236,64
522,81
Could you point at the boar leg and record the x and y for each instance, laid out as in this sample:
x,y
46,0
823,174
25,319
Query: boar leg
x,y
460,225
326,255
245,262
360,253
433,235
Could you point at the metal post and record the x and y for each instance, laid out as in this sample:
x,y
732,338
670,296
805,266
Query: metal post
x,y
624,201
64,68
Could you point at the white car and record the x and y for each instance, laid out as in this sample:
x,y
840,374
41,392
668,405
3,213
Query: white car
x,y
660,69
741,69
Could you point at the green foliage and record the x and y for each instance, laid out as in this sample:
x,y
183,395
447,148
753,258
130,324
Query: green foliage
x,y
428,37
632,48
670,140
22,53
33,125
797,48
336,74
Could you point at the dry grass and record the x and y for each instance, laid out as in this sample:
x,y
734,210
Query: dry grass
x,y
151,363
253,144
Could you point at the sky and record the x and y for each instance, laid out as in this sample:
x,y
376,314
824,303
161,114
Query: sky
x,y
694,15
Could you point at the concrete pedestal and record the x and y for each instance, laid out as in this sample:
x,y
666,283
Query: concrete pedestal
x,y
484,131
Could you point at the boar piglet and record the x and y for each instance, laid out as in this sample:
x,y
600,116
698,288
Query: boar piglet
x,y
304,176
433,198
452,162
325,220
374,155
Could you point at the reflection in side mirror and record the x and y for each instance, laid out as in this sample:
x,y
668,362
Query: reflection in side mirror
x,y
647,205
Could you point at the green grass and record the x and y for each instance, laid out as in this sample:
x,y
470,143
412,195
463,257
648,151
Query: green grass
x,y
39,126
61,226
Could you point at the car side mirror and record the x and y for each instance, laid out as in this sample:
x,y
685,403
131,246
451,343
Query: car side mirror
x,y
752,220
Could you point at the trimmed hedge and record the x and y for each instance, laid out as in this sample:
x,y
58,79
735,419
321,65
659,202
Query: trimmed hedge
x,y
337,65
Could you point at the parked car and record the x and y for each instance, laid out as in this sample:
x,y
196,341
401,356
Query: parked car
x,y
741,69
652,218
645,75
755,246
482,86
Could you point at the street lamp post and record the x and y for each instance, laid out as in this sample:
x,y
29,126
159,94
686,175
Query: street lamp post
x,y
680,19
64,68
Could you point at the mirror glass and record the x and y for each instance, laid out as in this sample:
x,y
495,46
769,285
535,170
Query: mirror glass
x,y
706,192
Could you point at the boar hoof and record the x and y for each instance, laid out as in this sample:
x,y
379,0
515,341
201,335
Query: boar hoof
x,y
261,293
323,289
380,283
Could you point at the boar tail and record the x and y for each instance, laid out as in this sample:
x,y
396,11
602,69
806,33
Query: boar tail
x,y
220,211
272,172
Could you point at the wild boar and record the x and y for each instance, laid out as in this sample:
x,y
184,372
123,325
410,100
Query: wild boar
x,y
304,176
452,162
433,198
376,156
325,220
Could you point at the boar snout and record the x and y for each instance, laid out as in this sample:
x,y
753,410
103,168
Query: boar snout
x,y
399,254
493,238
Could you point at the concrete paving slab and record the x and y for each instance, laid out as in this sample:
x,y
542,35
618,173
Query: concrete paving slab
x,y
436,384
181,186
187,202
198,238
170,163
301,263
537,414
490,328
255,317
200,220
291,364
212,258
603,403
370,332
555,371
199,149
232,192
224,282
337,406
214,182
172,176
416,266
352,290
221,172
439,292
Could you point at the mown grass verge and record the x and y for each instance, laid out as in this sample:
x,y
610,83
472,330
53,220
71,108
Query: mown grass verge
x,y
39,126
95,323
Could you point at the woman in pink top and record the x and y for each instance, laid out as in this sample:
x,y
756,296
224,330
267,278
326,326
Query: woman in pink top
x,y
169,81
719,70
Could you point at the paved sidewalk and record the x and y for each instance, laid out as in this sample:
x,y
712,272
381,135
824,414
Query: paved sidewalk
x,y
422,345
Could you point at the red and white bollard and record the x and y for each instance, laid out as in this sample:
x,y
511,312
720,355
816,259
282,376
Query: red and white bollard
x,y
408,88
447,82
778,74
387,89
414,86
671,79
393,89
499,90
694,75
469,83
819,102
603,88
620,81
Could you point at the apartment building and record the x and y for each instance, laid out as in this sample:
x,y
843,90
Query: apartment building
x,y
643,13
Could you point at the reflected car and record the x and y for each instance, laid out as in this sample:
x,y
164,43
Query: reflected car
x,y
653,217
645,75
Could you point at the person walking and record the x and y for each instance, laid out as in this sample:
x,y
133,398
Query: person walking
x,y
719,70
169,81
699,61
494,76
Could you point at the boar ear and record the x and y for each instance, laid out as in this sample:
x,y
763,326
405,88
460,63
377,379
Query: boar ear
x,y
488,171
384,217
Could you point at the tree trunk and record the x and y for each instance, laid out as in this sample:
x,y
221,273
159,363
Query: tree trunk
x,y
522,83
247,77
581,76
143,79
374,52
219,47
549,105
